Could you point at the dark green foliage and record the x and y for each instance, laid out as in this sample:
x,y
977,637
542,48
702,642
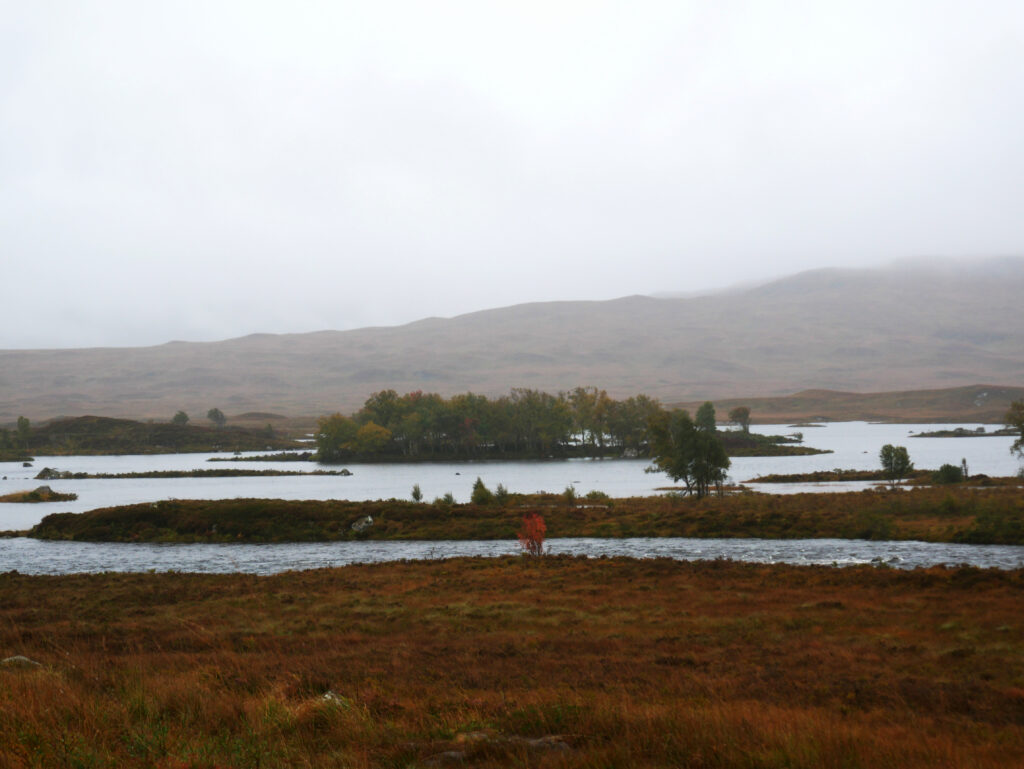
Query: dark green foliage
x,y
103,435
895,462
740,416
705,419
948,474
24,432
689,452
526,424
180,418
501,495
1015,421
216,416
481,494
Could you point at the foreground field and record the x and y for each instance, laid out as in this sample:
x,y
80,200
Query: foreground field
x,y
516,662
949,514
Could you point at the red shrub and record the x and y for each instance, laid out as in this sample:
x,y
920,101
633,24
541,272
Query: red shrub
x,y
531,536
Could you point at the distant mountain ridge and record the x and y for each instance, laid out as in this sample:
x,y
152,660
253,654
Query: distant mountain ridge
x,y
907,327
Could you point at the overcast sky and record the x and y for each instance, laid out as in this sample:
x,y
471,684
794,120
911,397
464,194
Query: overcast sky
x,y
205,170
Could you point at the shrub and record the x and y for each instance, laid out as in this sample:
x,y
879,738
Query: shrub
x,y
417,493
446,501
570,494
481,494
948,474
531,536
501,494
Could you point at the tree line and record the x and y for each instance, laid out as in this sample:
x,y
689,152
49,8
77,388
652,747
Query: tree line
x,y
17,438
524,423
535,424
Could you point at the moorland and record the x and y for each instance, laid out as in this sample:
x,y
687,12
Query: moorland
x,y
516,661
990,515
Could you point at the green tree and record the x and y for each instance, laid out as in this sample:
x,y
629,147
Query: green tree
x,y
371,438
1015,421
687,451
628,421
335,437
217,417
705,419
481,495
417,493
384,408
948,474
501,494
740,416
590,412
24,431
896,462
181,418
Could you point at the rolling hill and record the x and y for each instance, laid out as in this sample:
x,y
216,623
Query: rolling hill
x,y
908,328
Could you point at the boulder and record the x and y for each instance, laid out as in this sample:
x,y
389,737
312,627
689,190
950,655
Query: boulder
x,y
20,662
362,524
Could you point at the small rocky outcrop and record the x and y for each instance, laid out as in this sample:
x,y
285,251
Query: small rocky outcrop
x,y
469,742
20,662
49,474
363,524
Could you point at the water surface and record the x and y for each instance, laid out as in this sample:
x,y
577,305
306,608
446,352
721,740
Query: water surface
x,y
30,556
855,446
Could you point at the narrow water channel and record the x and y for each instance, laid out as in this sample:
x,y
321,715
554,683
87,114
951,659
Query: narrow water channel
x,y
30,556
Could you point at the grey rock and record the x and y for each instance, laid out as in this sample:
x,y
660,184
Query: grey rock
x,y
362,524
19,661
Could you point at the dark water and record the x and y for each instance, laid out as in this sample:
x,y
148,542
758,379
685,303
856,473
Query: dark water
x,y
30,556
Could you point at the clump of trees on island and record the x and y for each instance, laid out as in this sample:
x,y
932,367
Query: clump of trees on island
x,y
528,424
524,423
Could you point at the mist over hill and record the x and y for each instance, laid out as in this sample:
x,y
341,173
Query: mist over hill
x,y
907,327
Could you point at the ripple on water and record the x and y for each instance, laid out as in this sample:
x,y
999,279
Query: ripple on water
x,y
30,556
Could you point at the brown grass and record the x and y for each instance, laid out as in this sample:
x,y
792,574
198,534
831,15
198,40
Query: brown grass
x,y
628,663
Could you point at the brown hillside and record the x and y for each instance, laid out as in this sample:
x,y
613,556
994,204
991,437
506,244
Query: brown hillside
x,y
847,330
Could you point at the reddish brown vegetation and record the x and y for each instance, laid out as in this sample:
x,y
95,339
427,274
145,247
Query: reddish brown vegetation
x,y
633,663
531,536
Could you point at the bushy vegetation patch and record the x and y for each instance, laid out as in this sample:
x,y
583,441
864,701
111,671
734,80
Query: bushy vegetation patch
x,y
104,435
947,514
41,494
